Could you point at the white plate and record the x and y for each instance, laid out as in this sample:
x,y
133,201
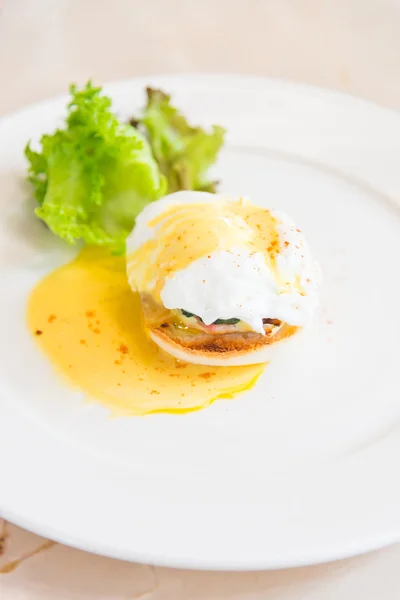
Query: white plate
x,y
302,469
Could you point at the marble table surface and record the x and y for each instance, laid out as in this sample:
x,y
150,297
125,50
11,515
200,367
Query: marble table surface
x,y
350,45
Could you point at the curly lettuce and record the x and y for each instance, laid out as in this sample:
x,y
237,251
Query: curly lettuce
x,y
94,176
184,153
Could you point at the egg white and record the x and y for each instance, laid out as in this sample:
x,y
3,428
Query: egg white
x,y
238,283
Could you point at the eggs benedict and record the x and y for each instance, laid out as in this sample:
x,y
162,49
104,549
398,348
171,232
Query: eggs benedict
x,y
221,280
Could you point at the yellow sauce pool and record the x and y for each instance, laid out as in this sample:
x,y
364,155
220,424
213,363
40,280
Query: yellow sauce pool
x,y
88,322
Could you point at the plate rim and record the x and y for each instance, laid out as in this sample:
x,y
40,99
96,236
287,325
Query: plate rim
x,y
216,75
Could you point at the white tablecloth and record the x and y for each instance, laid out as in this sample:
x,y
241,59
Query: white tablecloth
x,y
351,45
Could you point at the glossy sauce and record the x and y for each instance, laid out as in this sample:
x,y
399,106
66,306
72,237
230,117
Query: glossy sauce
x,y
188,232
88,322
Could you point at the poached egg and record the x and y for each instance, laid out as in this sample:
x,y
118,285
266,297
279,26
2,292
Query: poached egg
x,y
220,257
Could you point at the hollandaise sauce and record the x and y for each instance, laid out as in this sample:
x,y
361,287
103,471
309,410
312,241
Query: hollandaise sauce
x,y
88,322
187,232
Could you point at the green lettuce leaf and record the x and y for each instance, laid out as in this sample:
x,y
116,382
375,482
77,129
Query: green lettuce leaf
x,y
94,176
183,153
